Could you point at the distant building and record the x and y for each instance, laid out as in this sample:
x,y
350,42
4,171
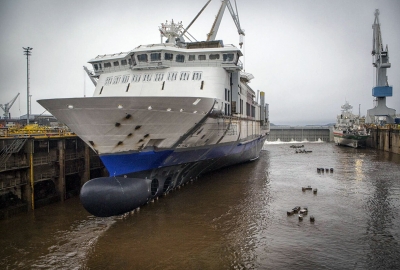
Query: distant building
x,y
41,119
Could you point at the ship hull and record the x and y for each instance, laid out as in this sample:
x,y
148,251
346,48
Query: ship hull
x,y
355,141
110,196
153,144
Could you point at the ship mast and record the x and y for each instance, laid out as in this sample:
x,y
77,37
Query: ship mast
x,y
382,89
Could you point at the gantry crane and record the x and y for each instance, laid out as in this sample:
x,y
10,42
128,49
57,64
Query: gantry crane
x,y
6,107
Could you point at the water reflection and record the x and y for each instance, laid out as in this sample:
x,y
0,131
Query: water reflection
x,y
233,218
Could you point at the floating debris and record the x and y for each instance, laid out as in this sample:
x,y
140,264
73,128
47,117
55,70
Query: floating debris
x,y
306,188
300,217
315,191
303,151
312,219
303,211
289,213
297,146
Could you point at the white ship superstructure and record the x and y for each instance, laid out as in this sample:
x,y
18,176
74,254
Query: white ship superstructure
x,y
162,114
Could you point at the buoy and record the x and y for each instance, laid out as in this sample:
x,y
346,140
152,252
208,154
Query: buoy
x,y
318,170
300,217
312,219
296,209
315,191
331,169
327,170
303,189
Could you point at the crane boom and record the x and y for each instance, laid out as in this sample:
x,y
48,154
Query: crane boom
x,y
6,107
195,18
235,16
214,28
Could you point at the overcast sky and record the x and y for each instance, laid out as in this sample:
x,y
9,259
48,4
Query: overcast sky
x,y
308,56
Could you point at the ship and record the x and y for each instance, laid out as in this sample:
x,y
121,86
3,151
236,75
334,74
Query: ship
x,y
349,129
163,114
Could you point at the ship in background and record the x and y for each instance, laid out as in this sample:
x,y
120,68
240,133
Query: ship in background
x,y
163,114
349,129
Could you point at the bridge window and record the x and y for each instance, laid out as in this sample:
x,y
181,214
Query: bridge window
x,y
155,56
136,77
227,57
116,64
124,62
168,56
192,57
142,57
180,58
202,57
97,66
214,56
108,80
125,78
172,76
107,64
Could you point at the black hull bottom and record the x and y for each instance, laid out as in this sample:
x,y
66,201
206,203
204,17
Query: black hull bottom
x,y
111,196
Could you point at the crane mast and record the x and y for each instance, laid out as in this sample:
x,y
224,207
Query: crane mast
x,y
235,16
380,114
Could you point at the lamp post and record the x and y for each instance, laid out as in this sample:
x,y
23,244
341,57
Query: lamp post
x,y
27,52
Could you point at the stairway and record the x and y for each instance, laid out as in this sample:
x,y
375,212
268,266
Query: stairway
x,y
10,149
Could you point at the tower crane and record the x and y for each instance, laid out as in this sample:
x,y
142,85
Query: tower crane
x,y
235,16
6,107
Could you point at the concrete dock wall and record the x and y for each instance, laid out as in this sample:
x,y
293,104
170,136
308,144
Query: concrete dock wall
x,y
385,138
35,171
300,133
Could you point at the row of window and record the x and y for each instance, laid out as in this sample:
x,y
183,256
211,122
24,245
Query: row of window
x,y
124,62
180,58
156,56
172,76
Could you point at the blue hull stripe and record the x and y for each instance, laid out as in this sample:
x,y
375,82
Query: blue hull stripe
x,y
120,164
133,162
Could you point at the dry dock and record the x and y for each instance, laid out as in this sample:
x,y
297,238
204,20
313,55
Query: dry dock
x,y
385,138
42,165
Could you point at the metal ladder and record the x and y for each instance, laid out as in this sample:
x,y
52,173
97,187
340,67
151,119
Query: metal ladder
x,y
10,149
